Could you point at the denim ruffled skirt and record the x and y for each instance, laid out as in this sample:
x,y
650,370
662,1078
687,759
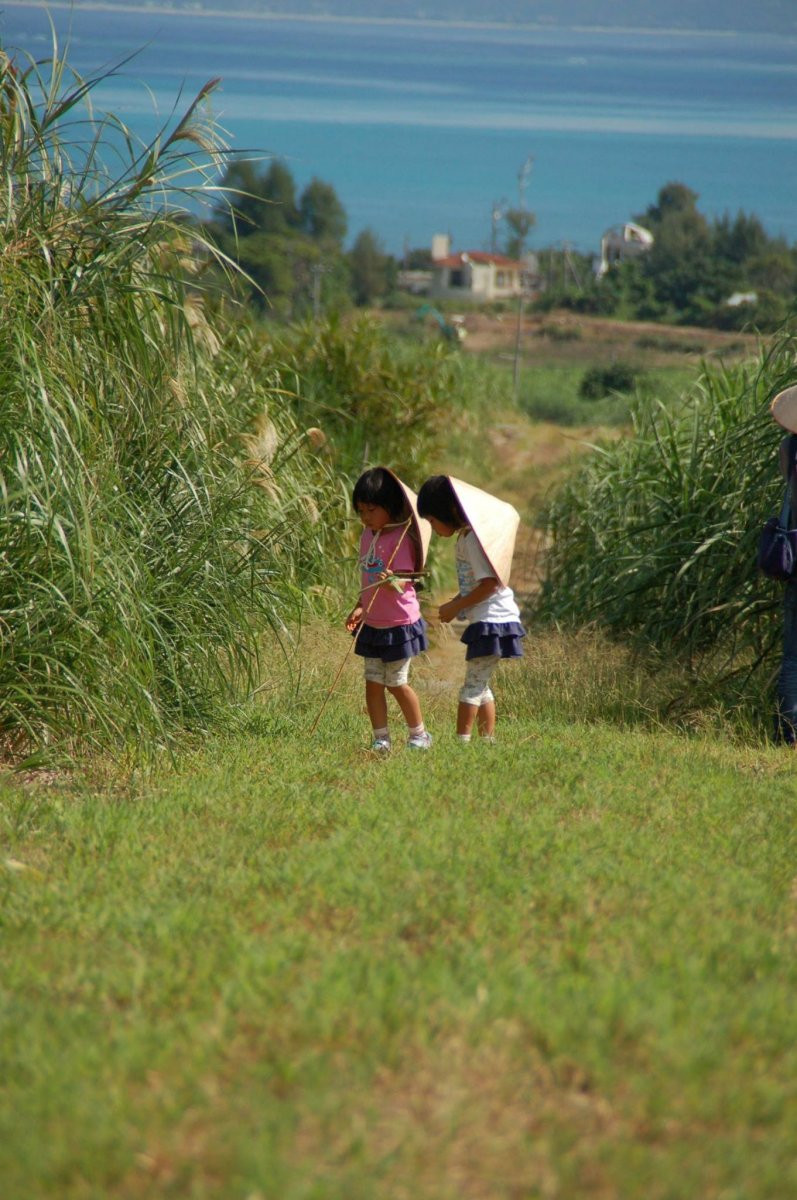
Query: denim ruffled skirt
x,y
393,644
493,637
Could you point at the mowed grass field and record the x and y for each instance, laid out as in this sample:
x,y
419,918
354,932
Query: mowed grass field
x,y
281,969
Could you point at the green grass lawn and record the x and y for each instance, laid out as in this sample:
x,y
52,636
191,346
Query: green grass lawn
x,y
551,393
563,966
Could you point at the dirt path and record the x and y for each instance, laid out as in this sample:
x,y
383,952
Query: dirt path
x,y
524,460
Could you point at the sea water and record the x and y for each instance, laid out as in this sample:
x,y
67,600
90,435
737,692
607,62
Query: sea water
x,y
425,128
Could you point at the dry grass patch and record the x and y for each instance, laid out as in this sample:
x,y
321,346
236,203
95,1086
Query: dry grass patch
x,y
568,338
467,1120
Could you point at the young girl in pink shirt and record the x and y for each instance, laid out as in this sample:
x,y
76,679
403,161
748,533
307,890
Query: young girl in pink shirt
x,y
387,621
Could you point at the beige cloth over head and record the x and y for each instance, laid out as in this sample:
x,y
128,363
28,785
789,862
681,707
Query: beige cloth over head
x,y
784,409
420,529
494,522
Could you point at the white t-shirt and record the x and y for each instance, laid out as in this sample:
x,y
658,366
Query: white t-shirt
x,y
473,566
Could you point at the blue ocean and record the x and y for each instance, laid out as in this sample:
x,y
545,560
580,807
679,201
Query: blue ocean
x,y
424,128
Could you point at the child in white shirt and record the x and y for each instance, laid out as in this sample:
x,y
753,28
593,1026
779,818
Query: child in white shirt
x,y
494,627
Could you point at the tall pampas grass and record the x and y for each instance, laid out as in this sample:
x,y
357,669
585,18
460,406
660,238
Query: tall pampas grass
x,y
140,563
654,536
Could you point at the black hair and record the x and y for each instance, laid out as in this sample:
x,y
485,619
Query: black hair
x,y
378,486
437,498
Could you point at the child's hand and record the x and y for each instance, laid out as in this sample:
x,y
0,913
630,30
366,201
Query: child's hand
x,y
447,612
354,618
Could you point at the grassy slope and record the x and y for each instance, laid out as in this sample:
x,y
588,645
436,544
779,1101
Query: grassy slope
x,y
559,967
562,966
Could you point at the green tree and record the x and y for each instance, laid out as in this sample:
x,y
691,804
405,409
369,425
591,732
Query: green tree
x,y
257,202
681,264
739,240
279,212
692,268
674,199
419,258
239,211
281,269
321,214
368,265
284,247
774,269
520,222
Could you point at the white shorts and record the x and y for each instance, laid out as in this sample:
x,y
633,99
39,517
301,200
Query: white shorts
x,y
390,674
476,689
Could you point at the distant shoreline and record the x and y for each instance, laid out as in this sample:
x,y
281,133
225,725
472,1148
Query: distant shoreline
x,y
171,10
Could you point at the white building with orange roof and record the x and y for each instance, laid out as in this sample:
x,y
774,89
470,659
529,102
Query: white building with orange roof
x,y
478,275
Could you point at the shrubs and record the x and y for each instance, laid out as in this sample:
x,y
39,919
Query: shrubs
x,y
381,400
598,382
654,536
172,482
140,561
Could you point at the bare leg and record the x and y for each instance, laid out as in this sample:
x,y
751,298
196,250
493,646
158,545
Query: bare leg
x,y
486,719
376,703
408,703
466,715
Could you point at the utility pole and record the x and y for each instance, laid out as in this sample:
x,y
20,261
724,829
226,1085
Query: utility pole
x,y
316,270
516,363
522,180
568,262
499,210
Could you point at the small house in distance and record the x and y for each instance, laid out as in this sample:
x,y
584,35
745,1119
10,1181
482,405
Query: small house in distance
x,y
476,275
620,243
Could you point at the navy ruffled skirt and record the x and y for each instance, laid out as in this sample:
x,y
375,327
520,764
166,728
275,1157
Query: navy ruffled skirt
x,y
493,637
391,645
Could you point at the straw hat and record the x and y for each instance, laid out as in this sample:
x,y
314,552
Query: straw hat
x,y
493,521
420,530
784,409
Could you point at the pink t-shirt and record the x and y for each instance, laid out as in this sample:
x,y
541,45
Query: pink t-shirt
x,y
387,606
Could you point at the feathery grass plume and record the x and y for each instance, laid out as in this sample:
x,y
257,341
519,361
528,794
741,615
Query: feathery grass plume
x,y
654,536
139,564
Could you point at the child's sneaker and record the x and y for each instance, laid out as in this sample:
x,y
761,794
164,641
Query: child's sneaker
x,y
419,741
381,745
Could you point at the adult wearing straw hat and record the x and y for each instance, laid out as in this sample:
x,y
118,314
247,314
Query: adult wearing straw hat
x,y
784,411
486,529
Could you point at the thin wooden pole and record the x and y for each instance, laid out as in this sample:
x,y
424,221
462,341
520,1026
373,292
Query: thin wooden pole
x,y
516,364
